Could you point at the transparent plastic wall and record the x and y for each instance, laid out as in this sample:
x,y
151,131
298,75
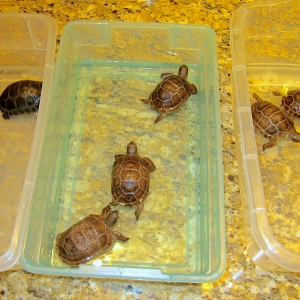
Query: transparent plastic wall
x,y
265,41
27,45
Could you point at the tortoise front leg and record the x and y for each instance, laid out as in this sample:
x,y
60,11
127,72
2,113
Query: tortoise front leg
x,y
193,89
5,116
257,98
272,143
164,75
105,211
120,237
150,164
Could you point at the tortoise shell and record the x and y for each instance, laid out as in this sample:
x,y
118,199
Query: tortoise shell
x,y
291,103
130,179
20,97
88,238
172,92
271,121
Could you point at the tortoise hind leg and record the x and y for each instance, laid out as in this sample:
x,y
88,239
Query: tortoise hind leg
x,y
146,101
159,118
139,210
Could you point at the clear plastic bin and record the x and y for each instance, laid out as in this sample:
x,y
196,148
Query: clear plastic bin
x,y
27,45
265,41
102,71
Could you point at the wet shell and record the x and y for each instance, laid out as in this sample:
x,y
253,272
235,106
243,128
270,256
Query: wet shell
x,y
89,238
131,178
20,97
272,122
291,103
171,93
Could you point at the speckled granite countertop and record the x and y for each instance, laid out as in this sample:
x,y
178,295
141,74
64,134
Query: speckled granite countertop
x,y
241,279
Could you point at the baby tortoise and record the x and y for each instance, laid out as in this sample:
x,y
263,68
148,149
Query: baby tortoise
x,y
20,97
272,122
291,102
130,179
88,238
171,93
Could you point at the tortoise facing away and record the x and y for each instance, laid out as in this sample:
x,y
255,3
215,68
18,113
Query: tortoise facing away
x,y
172,92
20,97
272,122
88,238
130,179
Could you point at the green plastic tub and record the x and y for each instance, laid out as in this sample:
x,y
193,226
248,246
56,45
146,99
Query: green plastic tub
x,y
102,71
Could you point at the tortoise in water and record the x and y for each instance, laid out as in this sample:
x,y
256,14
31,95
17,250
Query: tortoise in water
x,y
172,92
20,97
272,122
130,179
88,238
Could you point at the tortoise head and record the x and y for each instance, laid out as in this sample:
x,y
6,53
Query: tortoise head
x,y
111,218
131,149
183,71
294,136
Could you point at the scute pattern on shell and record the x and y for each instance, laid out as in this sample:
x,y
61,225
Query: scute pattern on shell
x,y
20,97
88,238
84,240
170,93
130,180
291,103
270,120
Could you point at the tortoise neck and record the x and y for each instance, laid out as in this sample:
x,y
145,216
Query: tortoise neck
x,y
131,149
183,71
